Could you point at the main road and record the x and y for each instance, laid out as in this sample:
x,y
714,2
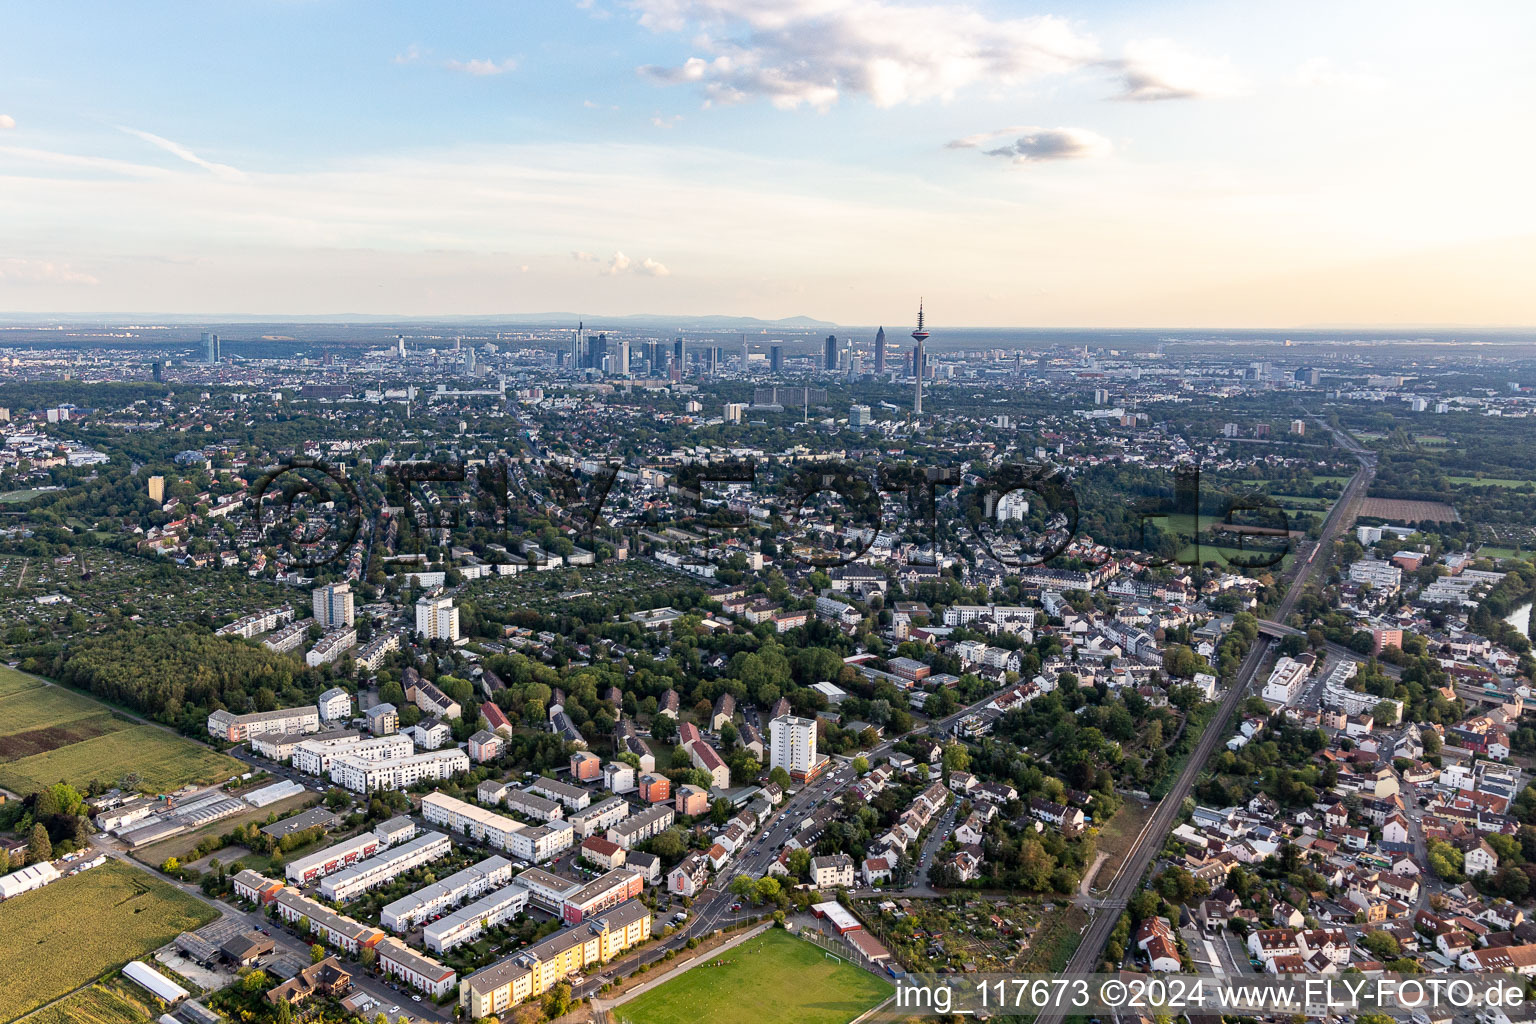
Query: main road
x,y
1147,844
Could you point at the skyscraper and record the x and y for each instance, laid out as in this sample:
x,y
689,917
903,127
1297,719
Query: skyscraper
x,y
333,605
622,367
578,349
437,618
210,347
919,363
831,356
677,350
776,358
792,746
880,352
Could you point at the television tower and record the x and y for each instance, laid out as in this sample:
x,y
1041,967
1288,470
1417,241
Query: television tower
x,y
920,335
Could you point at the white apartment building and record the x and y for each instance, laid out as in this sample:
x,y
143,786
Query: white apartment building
x,y
637,828
1286,680
437,619
532,843
383,867
409,911
1382,576
331,646
362,776
333,605
314,756
335,705
792,744
469,922
600,817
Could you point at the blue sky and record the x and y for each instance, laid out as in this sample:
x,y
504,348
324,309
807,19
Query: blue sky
x,y
1174,164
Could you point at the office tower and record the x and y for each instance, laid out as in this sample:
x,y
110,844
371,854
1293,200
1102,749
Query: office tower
x,y
677,350
776,358
578,346
333,605
831,355
709,360
400,345
210,347
1100,396
437,618
859,417
597,351
880,352
159,372
652,367
919,361
734,411
793,744
469,362
622,366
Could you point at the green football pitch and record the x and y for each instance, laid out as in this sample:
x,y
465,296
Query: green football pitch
x,y
772,979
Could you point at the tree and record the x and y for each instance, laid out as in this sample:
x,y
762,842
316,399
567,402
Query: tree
x,y
799,863
956,758
316,953
860,765
40,848
779,777
1383,944
558,1000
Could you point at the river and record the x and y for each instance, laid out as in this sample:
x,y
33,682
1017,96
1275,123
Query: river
x,y
1520,618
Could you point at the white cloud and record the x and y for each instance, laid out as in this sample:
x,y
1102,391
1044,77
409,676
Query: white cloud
x,y
182,152
1321,73
482,67
7,121
1034,145
45,272
811,52
411,55
1157,69
619,263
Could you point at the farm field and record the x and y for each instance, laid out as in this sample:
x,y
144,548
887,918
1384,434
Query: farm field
x,y
111,1003
62,936
772,979
1402,510
49,734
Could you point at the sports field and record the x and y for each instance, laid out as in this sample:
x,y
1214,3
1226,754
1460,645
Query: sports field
x,y
772,979
62,936
51,734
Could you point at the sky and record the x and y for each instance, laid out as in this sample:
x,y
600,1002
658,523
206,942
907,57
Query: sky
x,y
1154,164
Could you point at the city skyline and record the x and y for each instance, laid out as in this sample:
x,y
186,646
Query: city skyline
x,y
1104,167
